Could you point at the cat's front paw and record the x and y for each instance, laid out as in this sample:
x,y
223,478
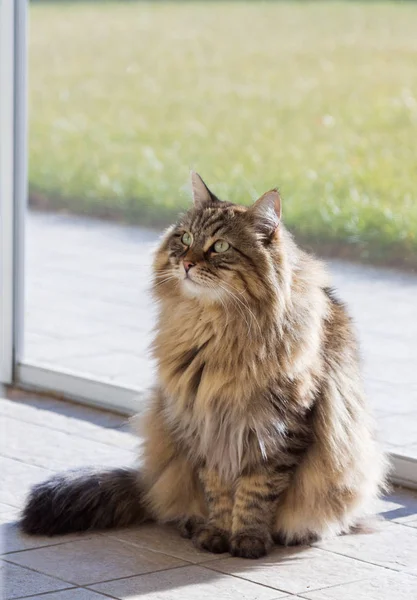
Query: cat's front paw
x,y
250,545
212,539
189,526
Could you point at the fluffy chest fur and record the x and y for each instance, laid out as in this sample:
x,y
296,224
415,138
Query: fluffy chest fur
x,y
219,382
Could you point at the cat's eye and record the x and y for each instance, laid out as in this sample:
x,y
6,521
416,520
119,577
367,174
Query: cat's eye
x,y
221,246
187,239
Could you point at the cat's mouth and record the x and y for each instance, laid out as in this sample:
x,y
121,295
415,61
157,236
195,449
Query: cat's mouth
x,y
195,285
200,290
193,288
189,280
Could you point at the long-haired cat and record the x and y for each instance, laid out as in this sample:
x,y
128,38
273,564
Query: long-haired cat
x,y
258,430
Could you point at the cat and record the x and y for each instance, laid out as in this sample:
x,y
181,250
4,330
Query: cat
x,y
258,430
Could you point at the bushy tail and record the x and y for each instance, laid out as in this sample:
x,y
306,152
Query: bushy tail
x,y
81,500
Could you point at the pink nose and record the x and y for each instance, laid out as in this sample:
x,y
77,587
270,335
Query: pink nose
x,y
188,265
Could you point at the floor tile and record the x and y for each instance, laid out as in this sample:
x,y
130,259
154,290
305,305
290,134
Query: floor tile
x,y
394,547
17,478
187,583
94,560
44,447
389,586
18,582
13,540
297,570
162,539
7,512
65,408
74,424
71,594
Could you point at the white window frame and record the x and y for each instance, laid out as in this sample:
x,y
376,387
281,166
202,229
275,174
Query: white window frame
x,y
7,137
13,203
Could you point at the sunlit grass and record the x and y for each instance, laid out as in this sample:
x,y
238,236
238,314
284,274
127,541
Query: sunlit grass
x,y
317,98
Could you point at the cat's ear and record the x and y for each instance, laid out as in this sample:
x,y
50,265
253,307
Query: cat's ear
x,y
201,194
266,212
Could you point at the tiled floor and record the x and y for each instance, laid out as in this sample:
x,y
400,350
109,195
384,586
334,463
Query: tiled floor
x,y
88,311
40,436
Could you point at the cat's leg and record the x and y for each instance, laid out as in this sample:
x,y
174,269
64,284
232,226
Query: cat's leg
x,y
174,493
255,503
214,534
339,476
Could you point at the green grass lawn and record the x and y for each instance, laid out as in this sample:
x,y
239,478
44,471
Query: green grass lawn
x,y
318,98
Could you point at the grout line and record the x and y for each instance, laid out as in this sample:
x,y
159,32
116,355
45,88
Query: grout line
x,y
136,575
318,589
187,563
26,402
6,503
105,594
10,562
406,524
45,593
77,435
265,585
53,544
48,470
329,587
298,594
28,464
144,547
362,560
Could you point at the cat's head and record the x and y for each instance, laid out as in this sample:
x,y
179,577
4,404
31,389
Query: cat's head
x,y
219,250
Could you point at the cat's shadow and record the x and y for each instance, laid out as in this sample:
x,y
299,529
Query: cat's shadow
x,y
399,504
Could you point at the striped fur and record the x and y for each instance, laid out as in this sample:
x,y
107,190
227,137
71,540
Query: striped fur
x,y
258,428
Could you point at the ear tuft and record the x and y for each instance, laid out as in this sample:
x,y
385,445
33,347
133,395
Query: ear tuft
x,y
201,194
267,211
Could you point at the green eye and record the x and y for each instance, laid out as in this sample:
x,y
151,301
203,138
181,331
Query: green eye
x,y
187,239
221,246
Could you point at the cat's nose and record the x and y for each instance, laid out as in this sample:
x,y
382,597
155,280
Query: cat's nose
x,y
188,265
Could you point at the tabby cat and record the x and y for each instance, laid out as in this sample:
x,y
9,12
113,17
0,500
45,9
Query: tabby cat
x,y
258,431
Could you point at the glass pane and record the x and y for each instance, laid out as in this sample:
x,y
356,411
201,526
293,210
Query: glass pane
x,y
125,97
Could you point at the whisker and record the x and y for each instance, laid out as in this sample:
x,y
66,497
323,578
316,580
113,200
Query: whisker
x,y
219,297
248,324
240,292
162,272
245,305
170,278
